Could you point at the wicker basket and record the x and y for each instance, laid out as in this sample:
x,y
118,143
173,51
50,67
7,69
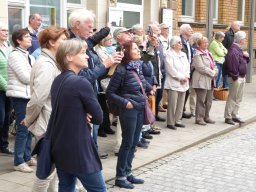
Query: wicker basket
x,y
220,94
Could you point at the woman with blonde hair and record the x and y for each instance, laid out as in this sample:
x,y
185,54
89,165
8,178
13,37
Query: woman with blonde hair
x,y
39,107
203,80
74,152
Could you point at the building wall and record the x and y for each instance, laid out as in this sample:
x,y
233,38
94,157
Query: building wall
x,y
4,10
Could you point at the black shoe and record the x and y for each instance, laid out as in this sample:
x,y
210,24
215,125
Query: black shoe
x,y
237,120
180,125
124,184
142,145
143,140
186,115
172,127
109,131
160,119
135,180
153,131
146,135
6,151
103,155
101,133
229,121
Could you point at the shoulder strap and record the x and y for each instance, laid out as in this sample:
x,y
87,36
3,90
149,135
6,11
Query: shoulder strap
x,y
140,83
54,110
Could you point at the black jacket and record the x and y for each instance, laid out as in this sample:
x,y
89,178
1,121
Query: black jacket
x,y
228,39
185,48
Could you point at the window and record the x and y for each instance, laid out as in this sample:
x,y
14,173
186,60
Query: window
x,y
15,22
74,1
215,10
188,10
127,13
136,2
50,11
240,10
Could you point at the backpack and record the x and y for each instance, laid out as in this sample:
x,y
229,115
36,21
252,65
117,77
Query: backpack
x,y
112,107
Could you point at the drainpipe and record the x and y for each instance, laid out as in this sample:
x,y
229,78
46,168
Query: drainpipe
x,y
209,24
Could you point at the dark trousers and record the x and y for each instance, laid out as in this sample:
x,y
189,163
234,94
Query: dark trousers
x,y
93,182
131,123
23,140
159,95
5,113
186,98
103,103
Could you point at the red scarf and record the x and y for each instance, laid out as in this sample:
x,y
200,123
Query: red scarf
x,y
209,56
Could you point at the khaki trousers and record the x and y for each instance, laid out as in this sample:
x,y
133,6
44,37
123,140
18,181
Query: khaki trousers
x,y
175,106
236,90
192,100
203,103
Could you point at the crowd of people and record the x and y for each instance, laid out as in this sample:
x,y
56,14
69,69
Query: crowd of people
x,y
75,71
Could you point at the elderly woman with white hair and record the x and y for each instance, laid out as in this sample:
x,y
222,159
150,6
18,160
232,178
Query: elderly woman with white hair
x,y
219,52
235,67
177,82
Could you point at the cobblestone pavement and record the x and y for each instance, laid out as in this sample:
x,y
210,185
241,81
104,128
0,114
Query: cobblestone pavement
x,y
223,164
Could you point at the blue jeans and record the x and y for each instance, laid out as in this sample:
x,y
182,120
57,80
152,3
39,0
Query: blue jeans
x,y
93,182
131,123
220,76
5,113
22,147
95,130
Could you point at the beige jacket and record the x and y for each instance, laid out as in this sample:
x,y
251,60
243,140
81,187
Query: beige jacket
x,y
177,68
39,107
203,75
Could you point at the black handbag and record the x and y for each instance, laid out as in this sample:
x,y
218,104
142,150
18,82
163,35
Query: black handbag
x,y
45,164
149,117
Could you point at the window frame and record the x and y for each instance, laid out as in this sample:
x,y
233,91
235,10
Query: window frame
x,y
216,5
241,22
188,18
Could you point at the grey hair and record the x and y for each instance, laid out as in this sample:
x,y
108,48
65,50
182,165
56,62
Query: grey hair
x,y
196,36
174,40
68,47
80,15
3,25
219,34
239,36
184,28
33,16
136,27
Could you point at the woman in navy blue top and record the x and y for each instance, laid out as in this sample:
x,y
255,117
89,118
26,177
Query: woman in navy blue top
x,y
73,150
125,91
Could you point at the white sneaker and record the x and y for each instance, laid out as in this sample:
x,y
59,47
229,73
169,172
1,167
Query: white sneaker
x,y
32,162
23,167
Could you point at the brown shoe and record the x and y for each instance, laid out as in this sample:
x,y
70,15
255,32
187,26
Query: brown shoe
x,y
165,106
209,121
161,109
201,122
